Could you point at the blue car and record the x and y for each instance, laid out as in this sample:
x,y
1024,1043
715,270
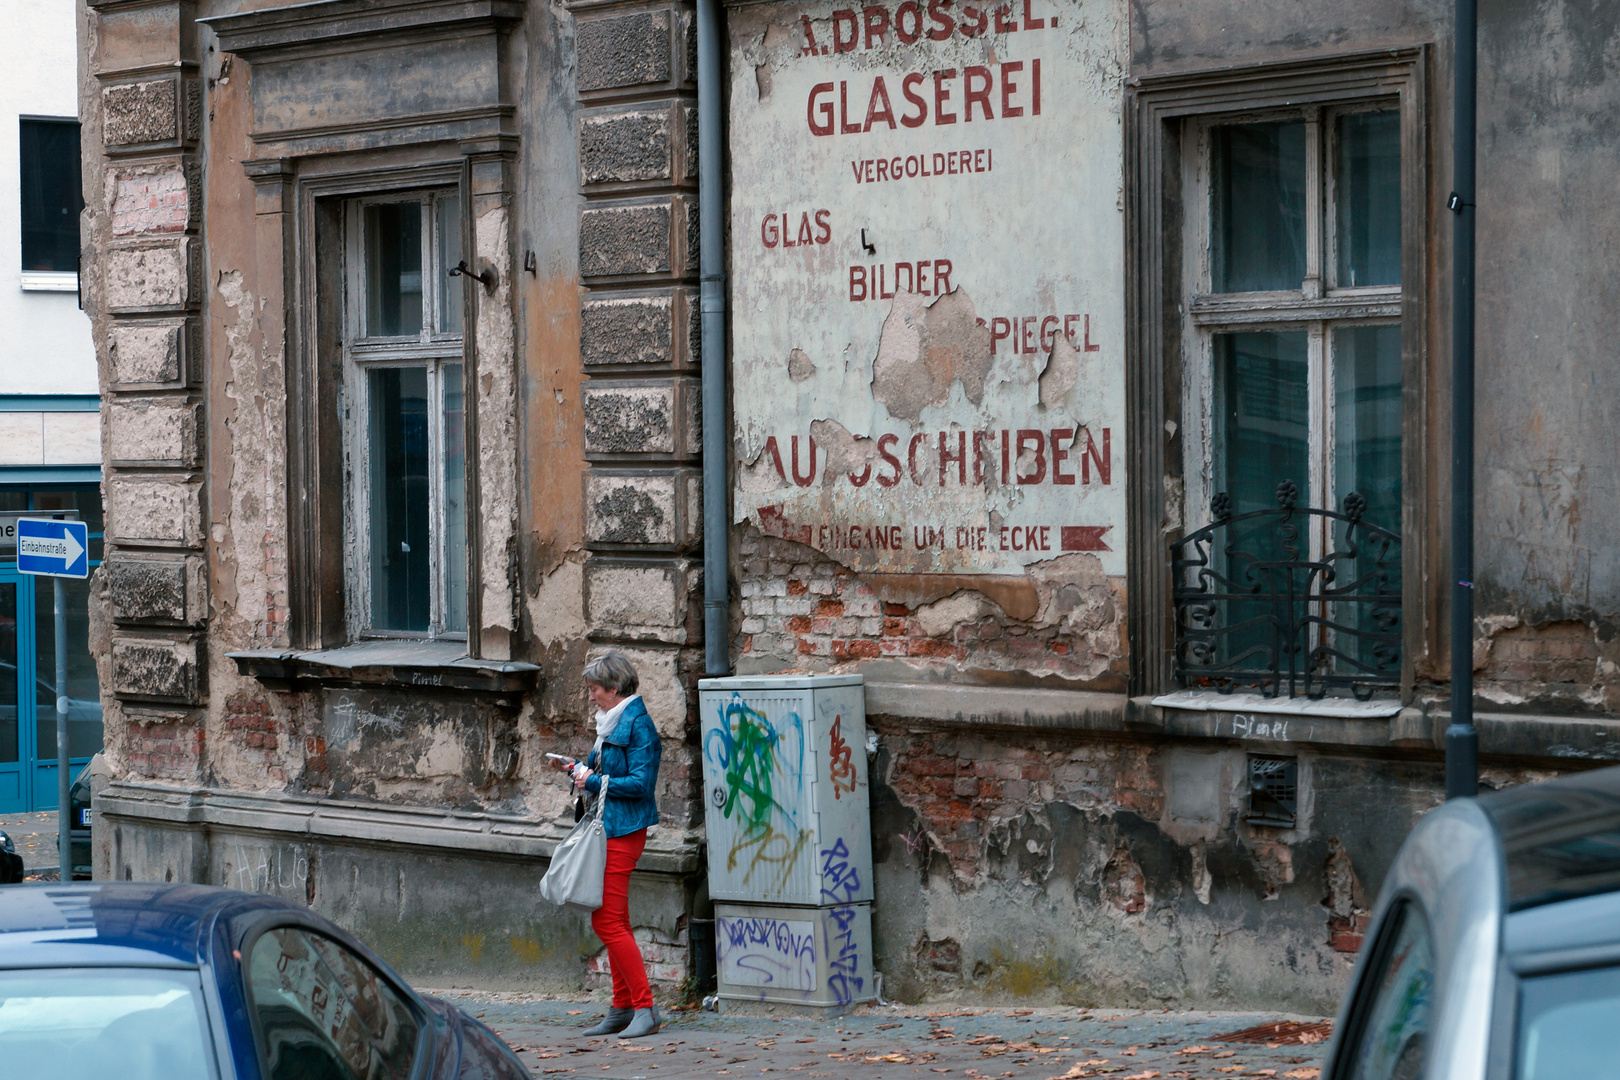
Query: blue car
x,y
174,982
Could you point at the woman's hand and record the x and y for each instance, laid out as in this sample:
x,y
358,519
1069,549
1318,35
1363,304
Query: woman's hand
x,y
562,764
581,774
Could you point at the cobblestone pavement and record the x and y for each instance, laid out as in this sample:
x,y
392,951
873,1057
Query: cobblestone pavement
x,y
35,837
895,1043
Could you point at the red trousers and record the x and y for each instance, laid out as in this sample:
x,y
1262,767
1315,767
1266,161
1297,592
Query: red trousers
x,y
611,922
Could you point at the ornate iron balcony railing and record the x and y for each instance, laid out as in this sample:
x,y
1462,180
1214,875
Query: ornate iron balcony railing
x,y
1255,609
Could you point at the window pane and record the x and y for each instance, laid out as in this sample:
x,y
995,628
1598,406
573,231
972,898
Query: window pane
x,y
393,269
400,508
324,1012
1367,462
1569,1025
1262,424
455,502
1367,186
1367,415
51,200
132,1024
84,697
1394,1030
450,288
1258,216
1262,437
9,743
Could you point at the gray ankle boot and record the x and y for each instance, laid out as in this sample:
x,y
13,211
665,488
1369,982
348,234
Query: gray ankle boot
x,y
616,1020
646,1022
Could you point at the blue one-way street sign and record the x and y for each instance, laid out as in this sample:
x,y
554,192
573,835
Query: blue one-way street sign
x,y
53,548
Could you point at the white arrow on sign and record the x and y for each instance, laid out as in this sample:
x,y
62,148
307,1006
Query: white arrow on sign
x,y
66,548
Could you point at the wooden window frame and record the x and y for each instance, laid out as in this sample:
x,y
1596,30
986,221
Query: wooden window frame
x,y
1166,316
363,353
320,542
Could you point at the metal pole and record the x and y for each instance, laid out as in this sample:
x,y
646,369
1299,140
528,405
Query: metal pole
x,y
63,812
712,269
1462,739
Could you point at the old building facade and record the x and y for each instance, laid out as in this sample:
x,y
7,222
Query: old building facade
x,y
1067,344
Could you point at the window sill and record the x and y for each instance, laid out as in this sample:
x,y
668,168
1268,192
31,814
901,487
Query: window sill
x,y
50,281
419,665
1344,708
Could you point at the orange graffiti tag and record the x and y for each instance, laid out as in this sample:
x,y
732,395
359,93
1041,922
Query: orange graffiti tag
x,y
842,766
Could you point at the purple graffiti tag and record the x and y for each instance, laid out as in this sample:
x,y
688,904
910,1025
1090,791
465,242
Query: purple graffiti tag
x,y
840,881
843,956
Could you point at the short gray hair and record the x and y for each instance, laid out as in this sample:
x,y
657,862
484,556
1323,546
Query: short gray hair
x,y
613,671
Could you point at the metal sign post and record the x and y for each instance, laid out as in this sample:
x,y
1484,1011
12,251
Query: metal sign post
x,y
57,549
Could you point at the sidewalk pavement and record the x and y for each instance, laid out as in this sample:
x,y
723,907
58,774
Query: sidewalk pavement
x,y
899,1043
35,837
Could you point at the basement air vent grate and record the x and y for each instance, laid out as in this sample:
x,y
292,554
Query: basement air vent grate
x,y
1273,790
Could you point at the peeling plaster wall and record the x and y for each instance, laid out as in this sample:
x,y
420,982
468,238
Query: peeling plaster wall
x,y
198,339
1069,869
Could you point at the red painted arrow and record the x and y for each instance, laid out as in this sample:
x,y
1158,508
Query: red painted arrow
x,y
1085,538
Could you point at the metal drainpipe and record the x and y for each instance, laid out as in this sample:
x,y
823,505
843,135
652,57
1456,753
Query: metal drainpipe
x,y
712,266
1462,738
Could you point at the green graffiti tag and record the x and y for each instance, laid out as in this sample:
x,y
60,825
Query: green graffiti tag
x,y
748,749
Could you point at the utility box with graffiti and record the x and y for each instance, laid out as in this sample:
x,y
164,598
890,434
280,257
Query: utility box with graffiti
x,y
789,837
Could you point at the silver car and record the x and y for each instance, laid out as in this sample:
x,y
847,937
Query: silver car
x,y
1494,948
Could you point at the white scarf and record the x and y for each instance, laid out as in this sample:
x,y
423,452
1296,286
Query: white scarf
x,y
607,720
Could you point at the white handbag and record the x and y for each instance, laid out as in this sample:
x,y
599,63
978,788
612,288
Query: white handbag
x,y
580,862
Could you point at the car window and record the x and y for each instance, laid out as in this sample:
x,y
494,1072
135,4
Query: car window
x,y
1393,1032
326,1014
141,1024
1569,1025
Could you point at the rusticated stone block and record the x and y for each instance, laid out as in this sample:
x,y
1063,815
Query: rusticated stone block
x,y
154,511
626,240
625,147
148,430
161,590
629,420
143,112
623,50
628,330
145,353
636,597
149,276
632,509
164,669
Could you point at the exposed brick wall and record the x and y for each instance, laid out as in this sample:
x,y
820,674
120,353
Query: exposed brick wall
x,y
802,610
1557,664
254,726
164,749
962,786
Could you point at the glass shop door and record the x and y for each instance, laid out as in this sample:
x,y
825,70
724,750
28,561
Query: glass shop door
x,y
13,797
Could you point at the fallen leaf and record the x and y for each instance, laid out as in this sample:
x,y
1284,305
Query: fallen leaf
x,y
571,1012
1230,1068
1311,1073
1020,1012
1145,1074
1224,1054
1199,1049
804,1040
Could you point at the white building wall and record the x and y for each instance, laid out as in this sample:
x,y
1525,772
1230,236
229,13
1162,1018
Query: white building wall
x,y
45,346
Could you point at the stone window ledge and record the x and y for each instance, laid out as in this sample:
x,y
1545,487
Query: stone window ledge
x,y
1343,708
298,818
392,664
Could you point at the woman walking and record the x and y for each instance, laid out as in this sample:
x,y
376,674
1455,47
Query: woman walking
x,y
627,752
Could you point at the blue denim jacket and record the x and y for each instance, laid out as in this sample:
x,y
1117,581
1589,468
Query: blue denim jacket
x,y
630,757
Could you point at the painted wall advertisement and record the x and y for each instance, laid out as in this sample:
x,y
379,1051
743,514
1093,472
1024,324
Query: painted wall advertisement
x,y
928,283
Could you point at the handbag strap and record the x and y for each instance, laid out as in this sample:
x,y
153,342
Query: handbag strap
x,y
601,796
